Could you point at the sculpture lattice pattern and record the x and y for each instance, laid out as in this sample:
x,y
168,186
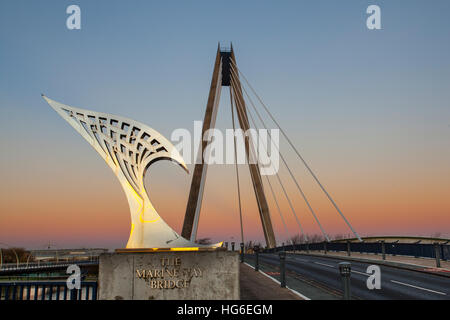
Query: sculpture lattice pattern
x,y
129,147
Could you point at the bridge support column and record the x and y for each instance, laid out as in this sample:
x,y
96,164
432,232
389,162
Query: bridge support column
x,y
225,61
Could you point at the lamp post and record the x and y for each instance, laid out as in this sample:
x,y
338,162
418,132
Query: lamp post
x,y
345,269
242,252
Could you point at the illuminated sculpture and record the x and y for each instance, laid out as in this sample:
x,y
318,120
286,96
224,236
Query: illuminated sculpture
x,y
129,148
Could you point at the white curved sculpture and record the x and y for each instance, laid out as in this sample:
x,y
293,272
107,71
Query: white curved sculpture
x,y
129,148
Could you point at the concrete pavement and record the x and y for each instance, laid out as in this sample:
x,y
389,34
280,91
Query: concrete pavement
x,y
256,286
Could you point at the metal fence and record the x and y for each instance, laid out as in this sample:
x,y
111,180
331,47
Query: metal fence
x,y
392,248
47,290
46,265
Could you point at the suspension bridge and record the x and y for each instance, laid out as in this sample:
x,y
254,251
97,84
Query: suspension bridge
x,y
242,95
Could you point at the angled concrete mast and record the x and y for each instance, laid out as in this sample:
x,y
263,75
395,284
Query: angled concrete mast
x,y
222,77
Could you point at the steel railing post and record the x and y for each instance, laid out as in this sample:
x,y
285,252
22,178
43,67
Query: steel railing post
x,y
256,249
282,256
437,253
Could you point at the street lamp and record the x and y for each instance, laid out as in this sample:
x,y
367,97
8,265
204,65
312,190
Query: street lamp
x,y
345,270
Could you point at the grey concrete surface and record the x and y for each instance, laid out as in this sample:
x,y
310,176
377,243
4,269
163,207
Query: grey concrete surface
x,y
169,276
256,286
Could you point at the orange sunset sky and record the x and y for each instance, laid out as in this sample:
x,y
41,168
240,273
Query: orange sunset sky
x,y
369,111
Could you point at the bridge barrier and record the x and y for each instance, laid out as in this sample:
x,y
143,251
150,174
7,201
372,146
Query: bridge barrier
x,y
47,290
390,248
47,265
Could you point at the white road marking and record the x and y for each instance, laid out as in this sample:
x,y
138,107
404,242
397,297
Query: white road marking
x,y
296,258
324,264
278,282
425,289
363,273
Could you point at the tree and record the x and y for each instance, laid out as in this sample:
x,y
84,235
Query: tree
x,y
9,255
297,239
204,241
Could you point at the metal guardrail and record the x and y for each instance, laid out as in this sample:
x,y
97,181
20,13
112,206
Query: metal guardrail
x,y
387,248
47,290
40,266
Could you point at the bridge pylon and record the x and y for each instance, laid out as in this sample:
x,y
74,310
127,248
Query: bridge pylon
x,y
222,77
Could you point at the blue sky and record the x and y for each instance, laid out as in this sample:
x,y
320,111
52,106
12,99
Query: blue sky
x,y
359,102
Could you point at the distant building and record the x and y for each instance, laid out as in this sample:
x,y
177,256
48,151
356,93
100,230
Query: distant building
x,y
67,254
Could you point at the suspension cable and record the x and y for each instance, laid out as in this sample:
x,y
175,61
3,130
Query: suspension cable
x,y
277,175
285,163
298,153
237,170
279,211
250,155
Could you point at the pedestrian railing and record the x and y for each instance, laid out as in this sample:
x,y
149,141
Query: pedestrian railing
x,y
47,265
47,290
391,248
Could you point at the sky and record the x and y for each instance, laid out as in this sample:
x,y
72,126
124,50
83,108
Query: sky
x,y
368,109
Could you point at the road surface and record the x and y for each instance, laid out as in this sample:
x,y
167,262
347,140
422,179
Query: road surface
x,y
396,283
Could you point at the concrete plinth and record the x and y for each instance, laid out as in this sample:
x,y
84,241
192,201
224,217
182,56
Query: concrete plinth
x,y
176,275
